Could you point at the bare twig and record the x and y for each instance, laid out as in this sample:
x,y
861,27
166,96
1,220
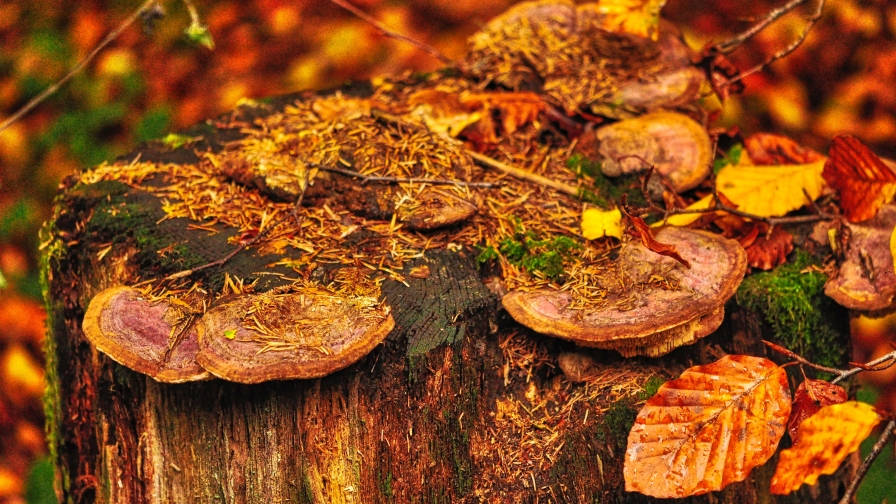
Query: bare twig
x,y
882,441
522,174
399,180
79,66
810,23
432,51
261,234
879,364
730,45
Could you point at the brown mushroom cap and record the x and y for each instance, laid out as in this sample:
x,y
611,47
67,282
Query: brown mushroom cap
x,y
852,286
138,334
674,144
278,336
661,319
435,208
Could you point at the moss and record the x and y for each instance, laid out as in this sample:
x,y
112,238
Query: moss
x,y
537,255
791,301
604,192
732,157
385,484
620,416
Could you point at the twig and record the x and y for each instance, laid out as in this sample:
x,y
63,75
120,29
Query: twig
x,y
399,180
220,262
432,51
78,67
522,174
730,45
882,441
810,23
841,374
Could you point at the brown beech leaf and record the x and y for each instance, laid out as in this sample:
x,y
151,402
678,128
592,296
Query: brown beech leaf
x,y
826,438
771,149
864,182
650,242
708,428
810,397
767,251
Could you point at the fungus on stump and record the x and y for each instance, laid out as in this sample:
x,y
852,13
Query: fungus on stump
x,y
373,360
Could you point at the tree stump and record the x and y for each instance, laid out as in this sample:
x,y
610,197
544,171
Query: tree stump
x,y
459,404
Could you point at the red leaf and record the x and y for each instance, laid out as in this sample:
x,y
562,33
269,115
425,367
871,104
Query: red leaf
x,y
765,252
810,397
864,182
771,149
647,239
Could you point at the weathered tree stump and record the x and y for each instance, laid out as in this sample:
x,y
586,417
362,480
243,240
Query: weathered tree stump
x,y
460,403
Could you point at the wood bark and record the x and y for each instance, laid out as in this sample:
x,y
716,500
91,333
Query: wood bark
x,y
448,409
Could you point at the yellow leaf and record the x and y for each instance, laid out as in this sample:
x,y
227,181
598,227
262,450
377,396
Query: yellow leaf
x,y
771,191
638,17
599,223
685,219
826,438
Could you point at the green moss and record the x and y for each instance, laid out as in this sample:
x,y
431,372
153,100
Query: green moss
x,y
732,157
545,256
792,303
604,191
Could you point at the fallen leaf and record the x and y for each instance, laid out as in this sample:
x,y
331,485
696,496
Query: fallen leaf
x,y
637,17
767,251
708,428
650,242
598,223
864,182
771,191
810,397
826,438
771,149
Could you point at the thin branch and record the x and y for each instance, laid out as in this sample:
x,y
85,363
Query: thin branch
x,y
879,364
882,441
730,45
432,51
810,23
261,234
78,67
891,357
400,180
522,174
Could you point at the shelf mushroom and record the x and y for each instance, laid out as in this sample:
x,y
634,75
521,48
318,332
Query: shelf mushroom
x,y
153,338
662,318
307,333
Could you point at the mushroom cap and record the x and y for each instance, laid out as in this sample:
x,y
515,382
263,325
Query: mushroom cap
x,y
137,334
278,336
677,146
661,319
435,208
851,286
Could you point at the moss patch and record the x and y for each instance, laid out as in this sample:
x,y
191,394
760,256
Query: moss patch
x,y
535,254
604,191
791,301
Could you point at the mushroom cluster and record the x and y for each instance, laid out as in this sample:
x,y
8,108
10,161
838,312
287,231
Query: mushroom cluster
x,y
293,332
686,306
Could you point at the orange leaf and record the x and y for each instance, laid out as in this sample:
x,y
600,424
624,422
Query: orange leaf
x,y
708,428
810,396
771,149
826,438
865,183
647,239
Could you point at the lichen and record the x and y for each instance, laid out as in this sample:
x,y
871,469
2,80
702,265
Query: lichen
x,y
790,300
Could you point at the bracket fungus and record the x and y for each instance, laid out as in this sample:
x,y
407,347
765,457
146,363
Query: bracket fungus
x,y
308,333
674,144
148,337
866,279
687,305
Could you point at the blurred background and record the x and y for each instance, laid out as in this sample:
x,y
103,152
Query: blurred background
x,y
842,80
